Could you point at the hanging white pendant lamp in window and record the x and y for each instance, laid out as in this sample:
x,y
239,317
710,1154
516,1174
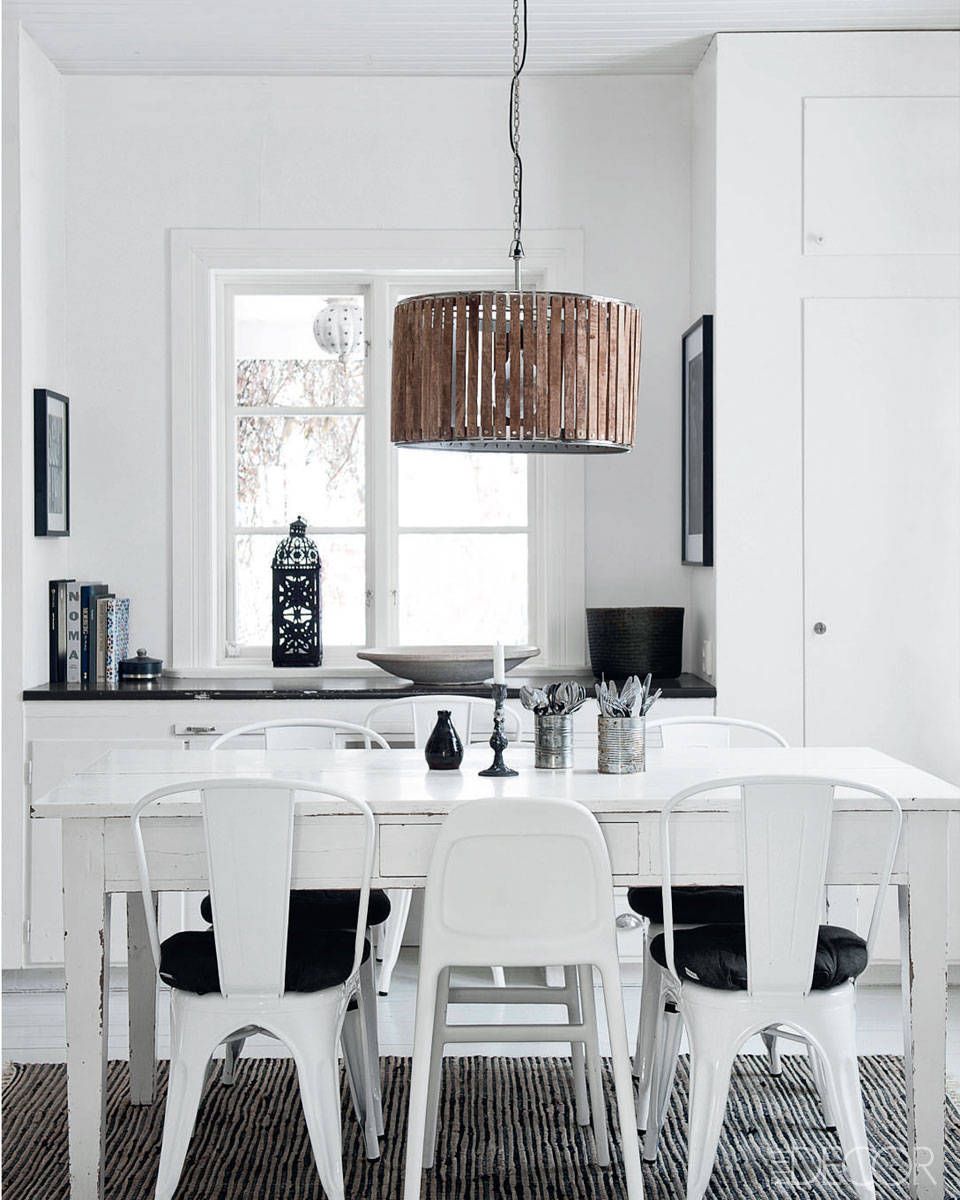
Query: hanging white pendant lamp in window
x,y
522,371
338,327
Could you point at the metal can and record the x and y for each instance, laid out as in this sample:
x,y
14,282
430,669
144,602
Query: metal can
x,y
553,742
621,745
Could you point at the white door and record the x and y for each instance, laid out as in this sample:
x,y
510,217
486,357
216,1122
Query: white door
x,y
882,529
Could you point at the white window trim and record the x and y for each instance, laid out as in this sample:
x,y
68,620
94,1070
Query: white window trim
x,y
201,261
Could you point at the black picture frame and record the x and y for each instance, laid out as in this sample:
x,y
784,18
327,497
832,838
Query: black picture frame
x,y
696,453
51,464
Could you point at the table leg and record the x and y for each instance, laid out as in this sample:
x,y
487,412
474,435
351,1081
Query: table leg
x,y
923,960
142,1001
86,909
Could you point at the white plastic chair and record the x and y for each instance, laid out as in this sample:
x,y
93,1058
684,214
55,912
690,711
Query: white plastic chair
x,y
785,832
521,883
675,733
249,833
320,733
422,716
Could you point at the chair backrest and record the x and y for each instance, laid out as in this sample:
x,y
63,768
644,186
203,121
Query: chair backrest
x,y
249,833
304,733
678,733
421,713
785,833
518,882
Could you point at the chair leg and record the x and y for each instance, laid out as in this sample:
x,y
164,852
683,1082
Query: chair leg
x,y
352,1039
190,1052
663,1073
319,1078
622,1078
577,1054
391,935
769,1039
836,1034
820,1083
651,1008
231,1053
368,1007
420,1079
436,1068
712,1053
598,1106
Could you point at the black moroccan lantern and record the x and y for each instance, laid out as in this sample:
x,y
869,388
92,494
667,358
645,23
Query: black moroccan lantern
x,y
296,600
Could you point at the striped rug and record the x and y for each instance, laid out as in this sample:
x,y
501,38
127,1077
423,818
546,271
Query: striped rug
x,y
507,1133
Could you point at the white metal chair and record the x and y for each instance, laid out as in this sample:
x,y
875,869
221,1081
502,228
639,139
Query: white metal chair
x,y
304,733
678,733
699,906
522,883
246,974
794,974
421,716
326,910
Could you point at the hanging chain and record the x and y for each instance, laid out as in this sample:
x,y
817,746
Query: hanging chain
x,y
519,58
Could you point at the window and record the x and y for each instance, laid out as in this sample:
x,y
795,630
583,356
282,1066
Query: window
x,y
295,444
303,433
418,546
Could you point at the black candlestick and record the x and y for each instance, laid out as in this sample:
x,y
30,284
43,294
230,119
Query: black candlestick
x,y
498,740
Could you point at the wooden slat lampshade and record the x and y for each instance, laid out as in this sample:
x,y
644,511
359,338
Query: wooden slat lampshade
x,y
519,371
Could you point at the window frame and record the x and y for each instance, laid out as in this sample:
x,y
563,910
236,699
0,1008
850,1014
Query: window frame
x,y
210,266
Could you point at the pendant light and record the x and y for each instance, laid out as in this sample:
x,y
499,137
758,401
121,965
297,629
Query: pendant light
x,y
521,371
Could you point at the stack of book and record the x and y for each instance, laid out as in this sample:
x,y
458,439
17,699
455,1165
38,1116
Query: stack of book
x,y
89,632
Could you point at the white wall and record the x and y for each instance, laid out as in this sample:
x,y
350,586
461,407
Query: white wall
x,y
702,604
34,298
144,155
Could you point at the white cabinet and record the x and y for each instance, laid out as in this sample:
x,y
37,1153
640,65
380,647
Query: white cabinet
x,y
881,175
64,737
825,243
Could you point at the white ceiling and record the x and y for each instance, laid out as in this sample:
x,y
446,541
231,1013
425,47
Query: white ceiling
x,y
415,37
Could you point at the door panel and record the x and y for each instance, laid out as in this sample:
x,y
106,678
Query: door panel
x,y
881,541
881,545
881,175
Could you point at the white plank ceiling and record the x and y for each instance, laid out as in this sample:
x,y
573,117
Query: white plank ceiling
x,y
414,37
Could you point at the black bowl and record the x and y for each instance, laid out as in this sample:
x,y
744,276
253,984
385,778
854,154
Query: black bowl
x,y
635,641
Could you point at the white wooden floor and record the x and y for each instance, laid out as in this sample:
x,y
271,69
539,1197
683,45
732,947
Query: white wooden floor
x,y
33,1020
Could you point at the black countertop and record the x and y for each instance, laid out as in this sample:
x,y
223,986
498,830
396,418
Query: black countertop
x,y
330,687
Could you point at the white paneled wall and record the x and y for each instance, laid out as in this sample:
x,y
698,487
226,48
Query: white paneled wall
x,y
145,155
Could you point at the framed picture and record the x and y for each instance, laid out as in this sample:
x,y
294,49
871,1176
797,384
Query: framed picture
x,y
697,533
51,464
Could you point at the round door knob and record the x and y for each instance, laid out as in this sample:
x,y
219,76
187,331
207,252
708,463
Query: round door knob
x,y
819,627
629,921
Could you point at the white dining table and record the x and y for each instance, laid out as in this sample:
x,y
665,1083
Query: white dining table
x,y
410,803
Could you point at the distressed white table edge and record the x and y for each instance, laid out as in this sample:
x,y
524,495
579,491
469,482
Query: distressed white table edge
x,y
95,805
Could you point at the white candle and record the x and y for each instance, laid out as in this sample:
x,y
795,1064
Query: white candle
x,y
499,674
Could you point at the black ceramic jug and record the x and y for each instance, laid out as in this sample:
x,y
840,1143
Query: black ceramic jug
x,y
444,750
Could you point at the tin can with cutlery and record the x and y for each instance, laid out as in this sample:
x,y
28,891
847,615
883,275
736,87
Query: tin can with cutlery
x,y
621,745
553,741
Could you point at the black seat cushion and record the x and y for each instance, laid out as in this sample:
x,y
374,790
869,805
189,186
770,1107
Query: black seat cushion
x,y
327,908
315,959
691,905
715,956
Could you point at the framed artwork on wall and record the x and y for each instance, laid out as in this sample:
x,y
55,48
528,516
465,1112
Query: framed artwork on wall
x,y
697,531
51,464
